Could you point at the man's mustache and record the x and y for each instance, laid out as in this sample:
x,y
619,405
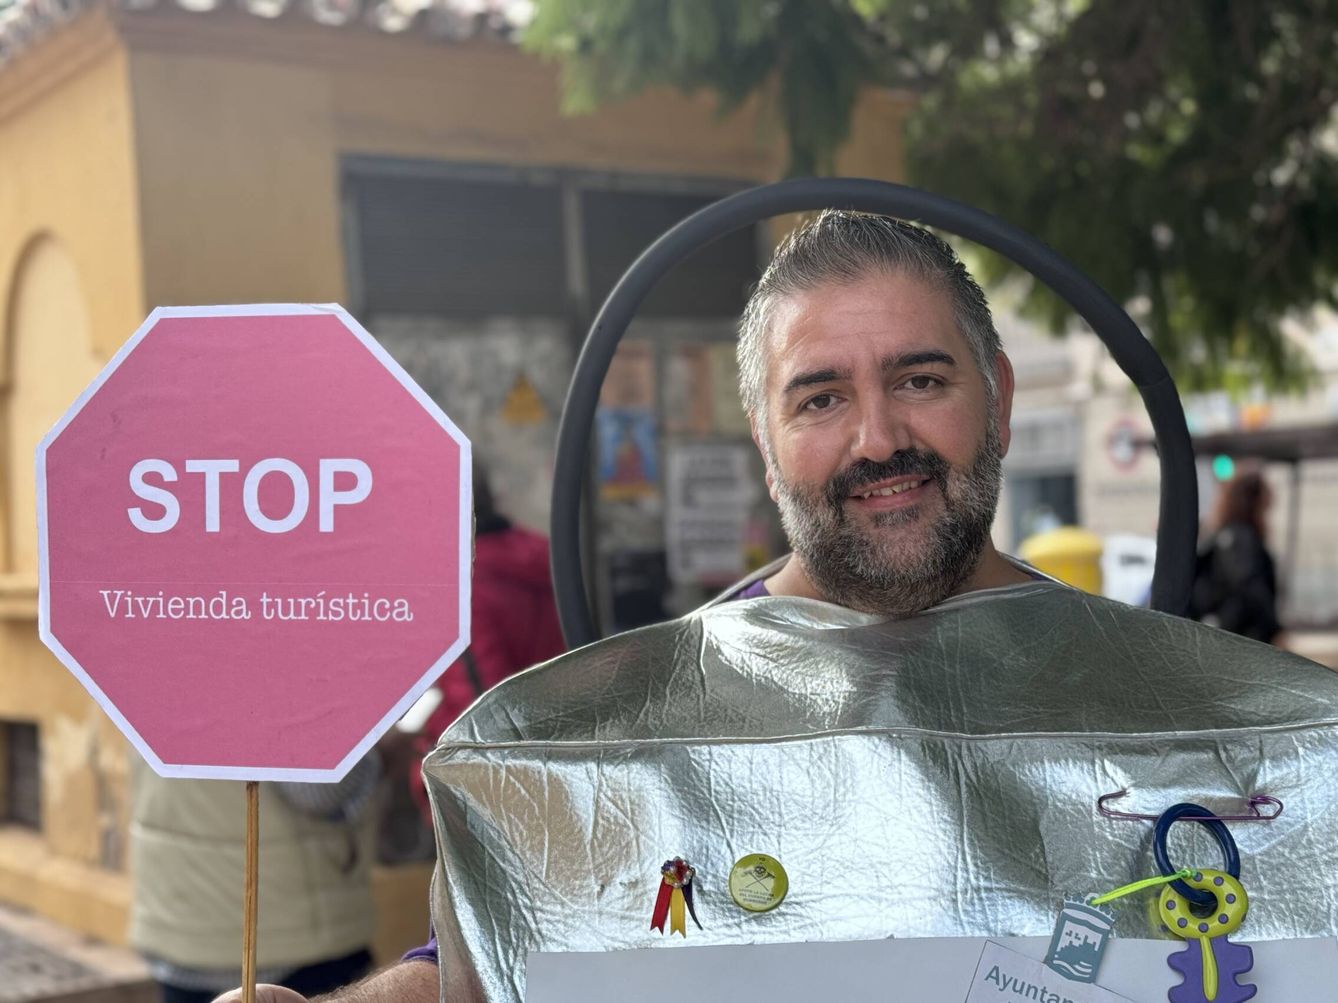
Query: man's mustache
x,y
902,463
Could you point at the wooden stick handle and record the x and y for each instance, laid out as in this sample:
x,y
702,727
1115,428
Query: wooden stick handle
x,y
249,896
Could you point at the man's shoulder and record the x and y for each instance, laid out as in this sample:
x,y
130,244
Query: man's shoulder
x,y
1035,656
1192,653
750,586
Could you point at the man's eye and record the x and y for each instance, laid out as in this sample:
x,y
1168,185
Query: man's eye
x,y
819,403
923,382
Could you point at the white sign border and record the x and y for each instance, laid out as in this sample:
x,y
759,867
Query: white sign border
x,y
201,771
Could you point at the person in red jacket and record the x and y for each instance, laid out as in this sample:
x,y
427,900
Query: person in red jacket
x,y
514,615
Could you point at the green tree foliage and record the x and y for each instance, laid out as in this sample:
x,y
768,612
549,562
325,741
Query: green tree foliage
x,y
1184,153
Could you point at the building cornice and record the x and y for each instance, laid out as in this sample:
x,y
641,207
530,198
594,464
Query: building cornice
x,y
25,25
53,56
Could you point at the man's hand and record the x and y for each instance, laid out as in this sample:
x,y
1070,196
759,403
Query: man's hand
x,y
406,982
265,994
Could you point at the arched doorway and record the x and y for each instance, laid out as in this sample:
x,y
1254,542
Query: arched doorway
x,y
50,358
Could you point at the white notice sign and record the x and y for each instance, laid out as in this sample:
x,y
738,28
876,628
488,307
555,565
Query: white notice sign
x,y
940,970
710,489
1004,976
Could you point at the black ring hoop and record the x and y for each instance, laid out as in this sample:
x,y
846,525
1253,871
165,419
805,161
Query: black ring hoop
x,y
1177,529
1230,853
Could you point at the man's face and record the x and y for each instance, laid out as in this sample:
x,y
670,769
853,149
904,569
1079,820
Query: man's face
x,y
883,450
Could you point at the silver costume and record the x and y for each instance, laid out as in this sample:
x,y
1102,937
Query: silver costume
x,y
930,776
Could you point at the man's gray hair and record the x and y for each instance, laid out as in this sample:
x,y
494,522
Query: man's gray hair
x,y
841,246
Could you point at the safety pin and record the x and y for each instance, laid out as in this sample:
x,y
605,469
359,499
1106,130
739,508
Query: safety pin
x,y
1254,803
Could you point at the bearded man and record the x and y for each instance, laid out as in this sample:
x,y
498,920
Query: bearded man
x,y
879,396
917,726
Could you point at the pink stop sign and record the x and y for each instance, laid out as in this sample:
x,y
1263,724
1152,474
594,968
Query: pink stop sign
x,y
255,541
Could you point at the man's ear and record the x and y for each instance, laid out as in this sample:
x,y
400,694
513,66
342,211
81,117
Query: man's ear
x,y
1003,376
766,458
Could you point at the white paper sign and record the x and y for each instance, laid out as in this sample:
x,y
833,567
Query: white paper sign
x,y
883,971
710,489
1005,976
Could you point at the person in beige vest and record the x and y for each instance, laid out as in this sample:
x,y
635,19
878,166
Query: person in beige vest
x,y
188,843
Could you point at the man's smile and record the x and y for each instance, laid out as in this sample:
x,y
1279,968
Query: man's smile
x,y
894,493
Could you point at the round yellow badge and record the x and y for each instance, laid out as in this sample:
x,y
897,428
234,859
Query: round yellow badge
x,y
758,883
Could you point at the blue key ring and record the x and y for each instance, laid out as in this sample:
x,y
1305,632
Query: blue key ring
x,y
1205,818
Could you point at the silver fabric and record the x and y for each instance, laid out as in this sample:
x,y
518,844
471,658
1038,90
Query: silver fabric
x,y
930,776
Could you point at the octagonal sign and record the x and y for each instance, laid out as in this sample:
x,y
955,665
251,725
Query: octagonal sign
x,y
254,532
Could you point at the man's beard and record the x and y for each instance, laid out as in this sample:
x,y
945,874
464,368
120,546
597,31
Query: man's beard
x,y
865,569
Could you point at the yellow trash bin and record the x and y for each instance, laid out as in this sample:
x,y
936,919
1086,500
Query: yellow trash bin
x,y
1071,554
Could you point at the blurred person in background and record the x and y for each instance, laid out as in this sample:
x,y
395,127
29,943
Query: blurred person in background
x,y
188,852
1235,583
514,617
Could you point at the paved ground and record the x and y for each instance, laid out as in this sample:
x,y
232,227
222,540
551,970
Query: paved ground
x,y
40,961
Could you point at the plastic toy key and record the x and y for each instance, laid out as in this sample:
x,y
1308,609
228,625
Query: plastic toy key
x,y
1210,964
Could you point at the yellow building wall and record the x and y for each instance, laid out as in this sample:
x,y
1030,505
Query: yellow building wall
x,y
241,123
239,155
70,292
167,158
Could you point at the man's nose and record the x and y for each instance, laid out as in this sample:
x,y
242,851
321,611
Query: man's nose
x,y
880,432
